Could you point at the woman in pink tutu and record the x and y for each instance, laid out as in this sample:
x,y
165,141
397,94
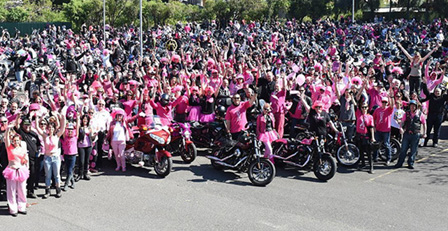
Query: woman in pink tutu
x,y
195,104
265,130
16,173
208,105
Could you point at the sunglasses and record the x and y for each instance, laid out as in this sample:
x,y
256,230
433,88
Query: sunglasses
x,y
384,102
4,121
91,113
364,107
318,107
267,109
301,90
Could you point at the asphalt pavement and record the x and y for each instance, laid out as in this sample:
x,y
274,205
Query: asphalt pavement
x,y
197,197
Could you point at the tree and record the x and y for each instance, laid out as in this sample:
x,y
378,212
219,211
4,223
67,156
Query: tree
x,y
83,11
409,4
17,14
373,5
442,7
277,8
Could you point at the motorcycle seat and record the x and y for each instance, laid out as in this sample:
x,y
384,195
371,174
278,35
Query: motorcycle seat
x,y
131,141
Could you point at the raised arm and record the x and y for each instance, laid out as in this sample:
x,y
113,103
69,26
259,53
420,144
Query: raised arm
x,y
430,53
61,130
404,51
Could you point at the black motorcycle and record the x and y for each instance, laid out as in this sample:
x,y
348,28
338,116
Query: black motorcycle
x,y
308,153
345,151
206,135
243,155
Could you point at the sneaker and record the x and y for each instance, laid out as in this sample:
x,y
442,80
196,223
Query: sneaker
x,y
58,192
435,145
411,166
23,212
87,177
387,163
14,214
118,169
78,177
47,193
123,170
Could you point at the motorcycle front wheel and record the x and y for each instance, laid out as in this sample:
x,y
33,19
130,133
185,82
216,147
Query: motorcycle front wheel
x,y
261,172
189,154
348,155
325,168
163,168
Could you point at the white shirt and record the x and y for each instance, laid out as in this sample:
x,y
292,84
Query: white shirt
x,y
119,133
101,120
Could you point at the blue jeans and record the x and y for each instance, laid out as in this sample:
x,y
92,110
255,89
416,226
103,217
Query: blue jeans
x,y
70,161
294,122
52,166
409,141
385,138
351,128
19,76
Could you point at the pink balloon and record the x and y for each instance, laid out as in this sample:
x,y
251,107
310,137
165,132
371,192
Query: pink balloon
x,y
295,68
300,79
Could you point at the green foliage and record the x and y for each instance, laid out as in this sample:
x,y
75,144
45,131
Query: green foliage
x,y
161,12
17,14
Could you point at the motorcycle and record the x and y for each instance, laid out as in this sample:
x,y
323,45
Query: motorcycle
x,y
149,149
308,153
181,142
346,153
206,135
243,155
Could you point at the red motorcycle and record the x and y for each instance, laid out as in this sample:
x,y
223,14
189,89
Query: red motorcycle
x,y
181,143
149,149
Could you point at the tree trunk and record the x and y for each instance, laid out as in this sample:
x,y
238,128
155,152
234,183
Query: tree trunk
x,y
407,9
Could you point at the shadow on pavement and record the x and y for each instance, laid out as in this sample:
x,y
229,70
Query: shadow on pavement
x,y
208,173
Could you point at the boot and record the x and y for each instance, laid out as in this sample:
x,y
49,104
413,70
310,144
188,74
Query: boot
x,y
72,181
47,193
78,177
65,185
58,192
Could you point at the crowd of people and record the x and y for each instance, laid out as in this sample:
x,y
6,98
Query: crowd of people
x,y
75,96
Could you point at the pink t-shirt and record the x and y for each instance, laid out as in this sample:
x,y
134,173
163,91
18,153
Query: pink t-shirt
x,y
70,144
237,116
128,106
375,97
278,105
363,122
382,117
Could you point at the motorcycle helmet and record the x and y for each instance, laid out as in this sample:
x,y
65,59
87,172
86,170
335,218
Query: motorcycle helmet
x,y
221,111
164,100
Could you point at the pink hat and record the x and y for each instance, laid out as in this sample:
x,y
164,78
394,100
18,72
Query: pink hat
x,y
240,76
117,111
214,71
164,59
357,81
384,99
175,59
34,106
210,89
177,88
317,104
210,62
194,88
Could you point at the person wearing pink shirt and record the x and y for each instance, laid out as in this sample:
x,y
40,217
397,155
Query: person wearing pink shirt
x,y
382,117
236,115
278,107
70,150
364,135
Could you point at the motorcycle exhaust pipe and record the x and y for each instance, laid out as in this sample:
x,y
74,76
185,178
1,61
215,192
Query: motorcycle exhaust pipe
x,y
285,158
298,165
217,159
231,166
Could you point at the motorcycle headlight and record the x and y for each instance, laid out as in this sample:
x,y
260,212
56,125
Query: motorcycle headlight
x,y
187,134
